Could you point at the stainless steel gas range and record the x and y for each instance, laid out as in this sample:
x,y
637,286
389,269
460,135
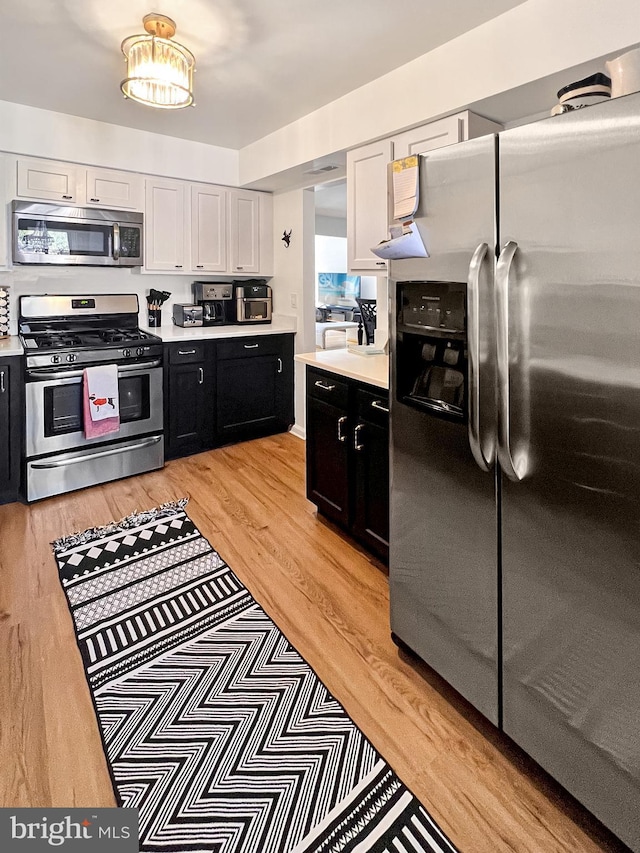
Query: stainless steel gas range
x,y
61,336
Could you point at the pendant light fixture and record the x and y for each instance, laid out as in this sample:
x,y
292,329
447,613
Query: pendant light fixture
x,y
159,71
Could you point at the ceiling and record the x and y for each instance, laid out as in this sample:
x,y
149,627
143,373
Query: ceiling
x,y
260,64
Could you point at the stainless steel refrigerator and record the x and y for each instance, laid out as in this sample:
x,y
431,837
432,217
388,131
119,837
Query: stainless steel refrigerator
x,y
515,443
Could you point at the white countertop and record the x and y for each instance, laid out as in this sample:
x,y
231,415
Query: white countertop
x,y
279,326
373,369
10,346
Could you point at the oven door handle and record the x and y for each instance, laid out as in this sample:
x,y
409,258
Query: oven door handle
x,y
76,374
114,451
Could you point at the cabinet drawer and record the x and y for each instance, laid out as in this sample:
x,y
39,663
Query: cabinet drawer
x,y
185,353
373,407
328,387
248,347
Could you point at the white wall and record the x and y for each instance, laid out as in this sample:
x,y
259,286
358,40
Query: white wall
x,y
527,43
294,278
39,280
43,133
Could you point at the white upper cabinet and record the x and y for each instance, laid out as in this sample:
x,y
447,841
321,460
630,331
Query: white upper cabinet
x,y
250,232
367,205
47,180
208,228
445,131
368,213
108,188
165,225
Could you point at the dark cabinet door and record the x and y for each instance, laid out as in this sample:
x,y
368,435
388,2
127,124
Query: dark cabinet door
x,y
371,516
328,459
187,406
254,387
247,396
371,474
5,426
11,419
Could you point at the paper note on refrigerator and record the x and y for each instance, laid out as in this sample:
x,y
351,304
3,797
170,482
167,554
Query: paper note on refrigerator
x,y
408,244
405,187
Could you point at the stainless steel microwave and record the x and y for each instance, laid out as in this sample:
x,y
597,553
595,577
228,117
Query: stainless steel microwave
x,y
49,234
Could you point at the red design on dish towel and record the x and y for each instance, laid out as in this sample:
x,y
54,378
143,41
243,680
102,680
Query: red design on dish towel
x,y
100,402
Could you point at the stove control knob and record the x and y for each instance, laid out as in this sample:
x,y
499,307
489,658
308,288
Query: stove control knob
x,y
126,353
72,357
55,359
139,351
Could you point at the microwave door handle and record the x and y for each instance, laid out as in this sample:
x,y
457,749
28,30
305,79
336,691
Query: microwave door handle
x,y
116,241
514,469
483,461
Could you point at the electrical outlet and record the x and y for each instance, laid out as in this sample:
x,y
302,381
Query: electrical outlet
x,y
294,300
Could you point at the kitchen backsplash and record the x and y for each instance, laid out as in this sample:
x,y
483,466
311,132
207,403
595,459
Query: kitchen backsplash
x,y
39,280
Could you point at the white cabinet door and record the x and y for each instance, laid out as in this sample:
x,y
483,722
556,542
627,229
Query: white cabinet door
x,y
47,180
165,226
208,228
435,135
445,131
244,231
109,188
367,205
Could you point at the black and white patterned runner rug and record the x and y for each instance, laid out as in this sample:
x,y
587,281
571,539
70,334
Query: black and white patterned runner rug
x,y
214,727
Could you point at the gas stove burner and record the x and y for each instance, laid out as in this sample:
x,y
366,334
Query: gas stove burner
x,y
112,336
58,341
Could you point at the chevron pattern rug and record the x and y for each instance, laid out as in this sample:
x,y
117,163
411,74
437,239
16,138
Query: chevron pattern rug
x,y
214,727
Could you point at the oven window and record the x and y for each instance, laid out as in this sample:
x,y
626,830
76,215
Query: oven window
x,y
255,309
57,238
63,404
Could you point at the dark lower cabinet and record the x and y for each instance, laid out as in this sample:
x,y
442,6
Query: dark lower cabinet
x,y
189,398
10,427
254,387
225,390
371,452
328,457
348,456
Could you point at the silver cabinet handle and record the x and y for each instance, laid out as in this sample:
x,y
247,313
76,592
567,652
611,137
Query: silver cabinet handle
x,y
2,388
341,422
67,196
515,470
320,384
380,263
178,266
279,365
357,444
251,346
378,405
116,241
199,266
94,199
484,462
201,380
116,451
186,352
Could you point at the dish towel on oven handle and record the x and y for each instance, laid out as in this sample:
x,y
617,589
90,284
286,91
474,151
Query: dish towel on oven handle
x,y
101,404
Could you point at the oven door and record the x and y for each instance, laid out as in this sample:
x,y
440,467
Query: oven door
x,y
54,414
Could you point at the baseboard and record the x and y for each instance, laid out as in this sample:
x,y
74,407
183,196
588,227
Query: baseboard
x,y
298,431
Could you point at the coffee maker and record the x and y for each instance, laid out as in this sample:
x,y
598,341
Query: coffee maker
x,y
215,299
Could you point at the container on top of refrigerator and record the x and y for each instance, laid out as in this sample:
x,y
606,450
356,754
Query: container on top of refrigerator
x,y
583,93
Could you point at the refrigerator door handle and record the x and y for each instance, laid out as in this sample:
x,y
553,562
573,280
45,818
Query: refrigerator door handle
x,y
514,470
484,462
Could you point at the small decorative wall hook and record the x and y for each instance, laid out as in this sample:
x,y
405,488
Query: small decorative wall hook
x,y
286,237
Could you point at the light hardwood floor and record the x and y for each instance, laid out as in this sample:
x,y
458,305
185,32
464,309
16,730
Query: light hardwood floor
x,y
328,597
